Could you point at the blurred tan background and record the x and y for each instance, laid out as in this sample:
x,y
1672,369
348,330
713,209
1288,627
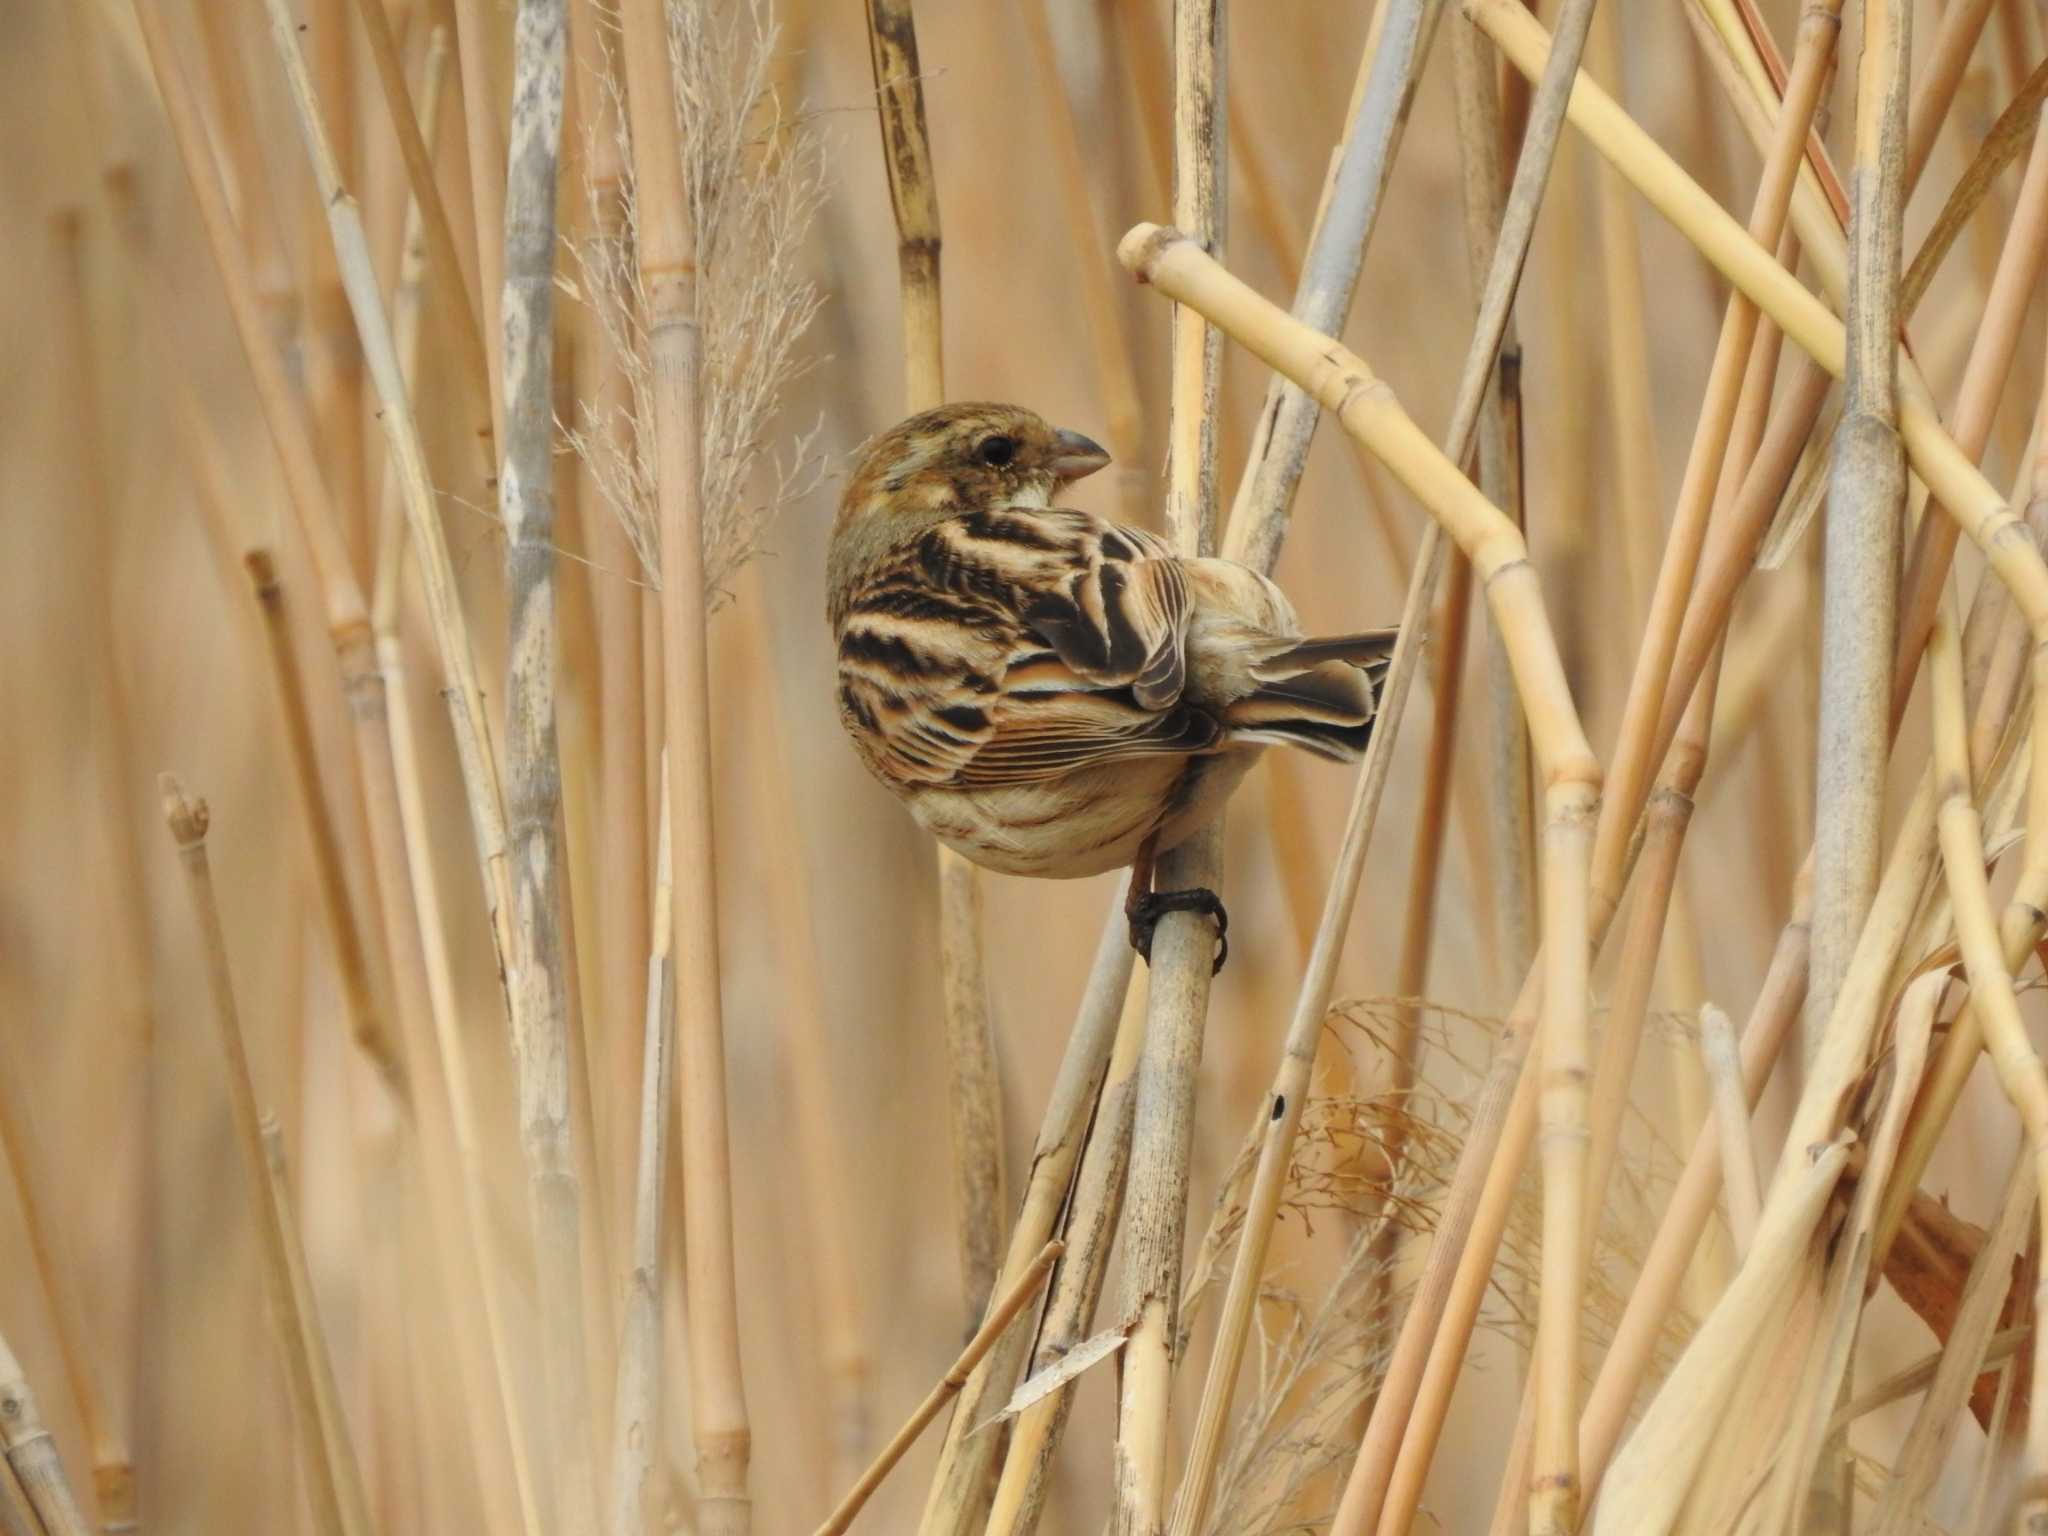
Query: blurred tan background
x,y
203,1399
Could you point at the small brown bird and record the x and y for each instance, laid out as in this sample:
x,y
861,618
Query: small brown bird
x,y
1051,693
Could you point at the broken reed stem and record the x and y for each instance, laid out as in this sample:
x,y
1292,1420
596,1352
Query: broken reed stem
x,y
1181,961
1498,554
330,882
1089,1231
966,1460
332,1484
1108,331
1506,237
668,274
2020,1071
1397,45
413,132
533,769
974,1089
1865,519
1002,1313
637,1414
31,1454
1723,1062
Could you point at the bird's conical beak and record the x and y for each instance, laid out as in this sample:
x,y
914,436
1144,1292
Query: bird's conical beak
x,y
1076,455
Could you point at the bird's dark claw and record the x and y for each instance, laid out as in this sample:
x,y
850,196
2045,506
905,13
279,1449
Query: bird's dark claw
x,y
1148,909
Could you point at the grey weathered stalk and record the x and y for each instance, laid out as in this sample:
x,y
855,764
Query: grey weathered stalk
x,y
533,769
1329,275
1865,521
1184,943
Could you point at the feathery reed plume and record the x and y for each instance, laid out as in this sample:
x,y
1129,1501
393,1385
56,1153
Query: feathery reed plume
x,y
754,180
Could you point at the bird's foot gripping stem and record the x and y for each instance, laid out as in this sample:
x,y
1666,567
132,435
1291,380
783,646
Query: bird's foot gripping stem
x,y
1146,910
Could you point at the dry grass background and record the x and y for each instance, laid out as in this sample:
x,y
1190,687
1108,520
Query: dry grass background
x,y
110,584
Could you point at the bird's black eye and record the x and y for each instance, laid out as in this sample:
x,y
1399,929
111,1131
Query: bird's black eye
x,y
996,452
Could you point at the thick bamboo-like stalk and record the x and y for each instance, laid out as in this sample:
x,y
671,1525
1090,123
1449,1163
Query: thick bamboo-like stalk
x,y
668,274
413,131
974,1097
637,1415
1571,773
333,1485
533,769
1108,332
967,1460
1090,1231
1002,1312
31,1454
1181,959
330,883
17,1516
1397,45
1865,524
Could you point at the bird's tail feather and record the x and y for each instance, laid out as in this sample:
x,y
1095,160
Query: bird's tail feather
x,y
1325,708
1370,649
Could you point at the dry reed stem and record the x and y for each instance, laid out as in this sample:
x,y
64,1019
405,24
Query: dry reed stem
x,y
1101,303
966,1460
31,1454
17,1517
1397,44
332,1483
475,35
1496,274
541,1036
330,882
1865,523
1002,1312
623,935
51,1258
1999,1348
974,1087
124,894
637,1414
1651,1479
1572,776
332,1426
472,731
1182,952
412,132
242,143
667,257
1089,1233
1740,1191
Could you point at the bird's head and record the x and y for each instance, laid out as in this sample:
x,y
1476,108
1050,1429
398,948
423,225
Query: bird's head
x,y
960,457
